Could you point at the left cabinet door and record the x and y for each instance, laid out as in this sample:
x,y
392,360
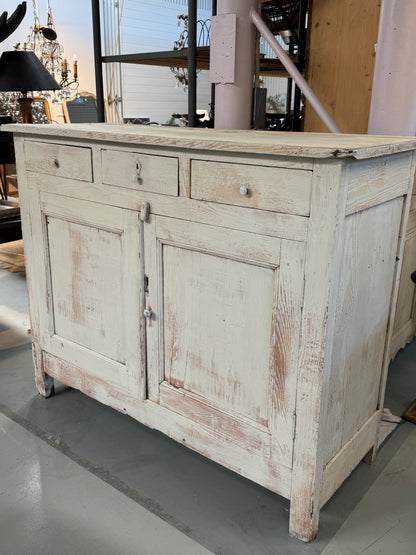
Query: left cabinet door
x,y
86,264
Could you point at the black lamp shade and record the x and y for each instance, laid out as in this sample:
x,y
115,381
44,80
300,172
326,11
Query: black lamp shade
x,y
21,70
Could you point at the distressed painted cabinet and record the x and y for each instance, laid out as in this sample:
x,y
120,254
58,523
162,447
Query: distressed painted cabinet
x,y
235,290
404,328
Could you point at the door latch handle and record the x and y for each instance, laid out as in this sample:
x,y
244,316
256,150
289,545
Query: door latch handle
x,y
144,211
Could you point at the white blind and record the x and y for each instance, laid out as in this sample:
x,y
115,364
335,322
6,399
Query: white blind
x,y
201,4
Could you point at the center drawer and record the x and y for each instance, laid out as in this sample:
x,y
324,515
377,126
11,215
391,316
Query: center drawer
x,y
144,172
262,187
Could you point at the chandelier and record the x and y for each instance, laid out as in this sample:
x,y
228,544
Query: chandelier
x,y
42,40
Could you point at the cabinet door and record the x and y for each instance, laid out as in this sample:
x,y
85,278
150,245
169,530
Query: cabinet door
x,y
90,288
224,330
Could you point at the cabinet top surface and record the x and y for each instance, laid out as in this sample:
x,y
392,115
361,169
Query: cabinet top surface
x,y
313,145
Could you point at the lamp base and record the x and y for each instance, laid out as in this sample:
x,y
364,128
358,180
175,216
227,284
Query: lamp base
x,y
26,109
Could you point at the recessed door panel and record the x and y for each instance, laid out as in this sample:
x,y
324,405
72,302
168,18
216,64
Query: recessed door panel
x,y
223,335
91,314
217,317
86,272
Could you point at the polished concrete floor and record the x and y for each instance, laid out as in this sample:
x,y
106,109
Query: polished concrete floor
x,y
77,477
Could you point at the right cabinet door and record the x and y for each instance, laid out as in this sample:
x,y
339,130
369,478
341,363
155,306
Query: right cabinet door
x,y
223,334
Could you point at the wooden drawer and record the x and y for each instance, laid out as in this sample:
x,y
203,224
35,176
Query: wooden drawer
x,y
144,172
74,162
262,187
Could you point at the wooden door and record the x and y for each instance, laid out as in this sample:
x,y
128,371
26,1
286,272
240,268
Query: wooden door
x,y
89,300
222,330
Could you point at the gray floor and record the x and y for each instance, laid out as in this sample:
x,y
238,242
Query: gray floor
x,y
77,477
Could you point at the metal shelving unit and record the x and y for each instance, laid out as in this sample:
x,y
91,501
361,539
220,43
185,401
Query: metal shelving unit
x,y
280,15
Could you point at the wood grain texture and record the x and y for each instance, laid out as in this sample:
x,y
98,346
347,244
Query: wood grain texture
x,y
262,222
305,145
376,181
44,383
393,299
327,212
412,214
405,301
405,319
140,171
237,245
216,447
82,259
232,326
58,160
341,60
284,352
209,294
277,189
341,466
216,344
34,271
365,277
88,262
185,176
254,439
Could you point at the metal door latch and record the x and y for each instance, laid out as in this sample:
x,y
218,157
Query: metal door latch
x,y
145,212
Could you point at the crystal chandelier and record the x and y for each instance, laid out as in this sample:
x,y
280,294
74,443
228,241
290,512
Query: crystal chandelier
x,y
44,43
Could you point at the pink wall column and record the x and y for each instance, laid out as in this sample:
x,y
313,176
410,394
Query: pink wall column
x,y
393,100
232,63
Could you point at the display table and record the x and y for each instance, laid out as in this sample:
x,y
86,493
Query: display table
x,y
234,290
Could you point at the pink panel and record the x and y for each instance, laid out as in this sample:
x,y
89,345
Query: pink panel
x,y
233,101
393,101
223,48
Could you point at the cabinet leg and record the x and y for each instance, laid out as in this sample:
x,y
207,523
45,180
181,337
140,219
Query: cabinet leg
x,y
371,455
304,520
44,383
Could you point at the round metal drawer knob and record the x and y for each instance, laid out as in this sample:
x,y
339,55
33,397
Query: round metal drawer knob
x,y
147,313
243,190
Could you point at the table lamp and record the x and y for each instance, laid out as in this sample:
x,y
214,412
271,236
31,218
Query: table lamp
x,y
21,70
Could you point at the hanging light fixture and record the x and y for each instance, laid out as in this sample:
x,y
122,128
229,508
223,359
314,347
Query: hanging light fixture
x,y
43,41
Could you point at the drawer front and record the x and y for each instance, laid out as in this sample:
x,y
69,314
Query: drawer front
x,y
143,172
261,187
74,162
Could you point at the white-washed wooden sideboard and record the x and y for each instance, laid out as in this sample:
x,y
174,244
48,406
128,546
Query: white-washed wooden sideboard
x,y
404,328
235,290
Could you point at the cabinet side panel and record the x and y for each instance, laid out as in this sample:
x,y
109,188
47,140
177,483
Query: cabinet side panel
x,y
405,320
362,312
373,182
405,300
